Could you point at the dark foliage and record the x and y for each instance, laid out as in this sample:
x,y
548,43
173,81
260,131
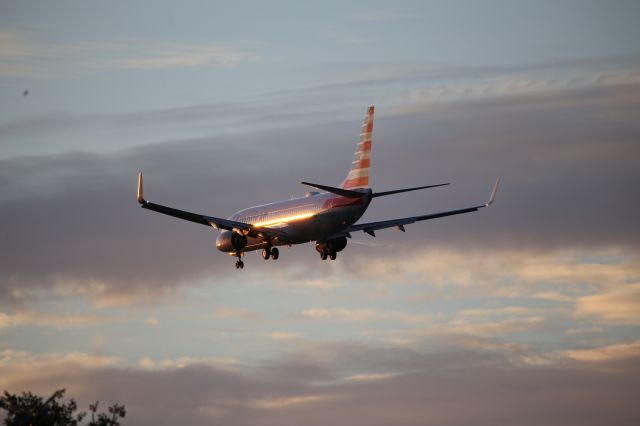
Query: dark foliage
x,y
28,409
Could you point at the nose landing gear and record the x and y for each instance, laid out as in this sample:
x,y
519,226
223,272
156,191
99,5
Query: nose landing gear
x,y
239,262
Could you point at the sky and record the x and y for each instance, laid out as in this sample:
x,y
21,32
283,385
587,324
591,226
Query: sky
x,y
525,313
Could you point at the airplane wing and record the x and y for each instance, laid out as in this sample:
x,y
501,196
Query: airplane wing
x,y
215,222
371,227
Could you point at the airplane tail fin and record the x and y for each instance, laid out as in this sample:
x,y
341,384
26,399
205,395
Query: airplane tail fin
x,y
358,176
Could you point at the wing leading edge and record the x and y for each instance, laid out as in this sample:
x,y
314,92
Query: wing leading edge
x,y
371,227
212,221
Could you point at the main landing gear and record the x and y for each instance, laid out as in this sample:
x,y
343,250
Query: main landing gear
x,y
324,253
330,248
270,252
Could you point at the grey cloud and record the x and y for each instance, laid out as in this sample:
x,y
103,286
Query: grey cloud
x,y
450,387
568,162
106,132
25,57
428,74
109,132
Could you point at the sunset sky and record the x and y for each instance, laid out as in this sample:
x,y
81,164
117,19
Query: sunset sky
x,y
525,313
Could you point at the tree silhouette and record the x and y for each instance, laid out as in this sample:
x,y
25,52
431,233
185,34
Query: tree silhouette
x,y
28,409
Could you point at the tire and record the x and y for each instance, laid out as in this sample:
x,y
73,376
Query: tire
x,y
323,255
275,253
333,255
266,253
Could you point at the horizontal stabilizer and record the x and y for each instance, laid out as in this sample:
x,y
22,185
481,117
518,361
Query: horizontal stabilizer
x,y
338,191
397,191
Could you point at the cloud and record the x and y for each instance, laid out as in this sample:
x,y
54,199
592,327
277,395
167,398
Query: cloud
x,y
616,306
552,295
492,328
185,361
71,226
284,336
286,403
154,321
361,315
22,56
407,388
476,313
10,358
41,372
42,319
500,273
230,312
369,377
614,352
398,90
425,99
584,330
404,82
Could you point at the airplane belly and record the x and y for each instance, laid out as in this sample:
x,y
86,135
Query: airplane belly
x,y
317,227
324,224
255,244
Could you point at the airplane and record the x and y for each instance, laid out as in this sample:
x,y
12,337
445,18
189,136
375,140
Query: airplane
x,y
328,217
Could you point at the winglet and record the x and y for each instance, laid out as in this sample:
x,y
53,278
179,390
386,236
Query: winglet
x,y
140,197
493,193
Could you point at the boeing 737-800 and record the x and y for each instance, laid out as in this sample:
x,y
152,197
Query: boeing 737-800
x,y
327,217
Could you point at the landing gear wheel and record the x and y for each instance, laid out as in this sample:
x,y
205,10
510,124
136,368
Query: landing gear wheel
x,y
323,255
239,262
266,253
275,253
333,255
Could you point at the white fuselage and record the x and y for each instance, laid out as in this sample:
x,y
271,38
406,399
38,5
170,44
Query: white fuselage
x,y
315,217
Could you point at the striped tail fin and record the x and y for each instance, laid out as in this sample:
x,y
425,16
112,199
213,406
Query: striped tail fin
x,y
358,176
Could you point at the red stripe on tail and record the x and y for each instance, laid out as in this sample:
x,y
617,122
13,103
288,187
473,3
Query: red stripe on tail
x,y
358,176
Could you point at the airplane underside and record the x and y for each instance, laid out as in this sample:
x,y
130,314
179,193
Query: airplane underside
x,y
327,250
318,228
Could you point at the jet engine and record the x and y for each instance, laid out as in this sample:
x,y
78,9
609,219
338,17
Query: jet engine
x,y
229,241
335,245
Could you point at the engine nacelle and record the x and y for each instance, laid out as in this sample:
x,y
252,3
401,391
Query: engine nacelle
x,y
335,245
229,241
